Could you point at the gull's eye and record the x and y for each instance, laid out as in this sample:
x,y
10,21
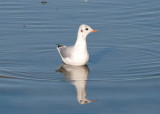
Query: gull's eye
x,y
86,28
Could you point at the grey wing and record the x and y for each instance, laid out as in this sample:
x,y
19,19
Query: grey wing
x,y
65,51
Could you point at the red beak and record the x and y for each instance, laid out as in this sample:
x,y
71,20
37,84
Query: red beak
x,y
94,31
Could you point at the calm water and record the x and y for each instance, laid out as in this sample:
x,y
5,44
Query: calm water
x,y
122,76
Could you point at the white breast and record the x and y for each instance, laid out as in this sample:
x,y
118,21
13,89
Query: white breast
x,y
81,57
78,58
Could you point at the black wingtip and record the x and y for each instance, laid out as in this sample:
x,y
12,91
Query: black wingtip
x,y
59,45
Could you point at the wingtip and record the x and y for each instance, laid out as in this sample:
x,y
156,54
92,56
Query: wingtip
x,y
59,45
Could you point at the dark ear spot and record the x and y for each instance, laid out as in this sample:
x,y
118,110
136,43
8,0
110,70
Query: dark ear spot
x,y
81,30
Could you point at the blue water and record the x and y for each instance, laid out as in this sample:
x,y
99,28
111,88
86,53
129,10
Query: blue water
x,y
122,76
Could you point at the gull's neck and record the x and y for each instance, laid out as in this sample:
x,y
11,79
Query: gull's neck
x,y
81,41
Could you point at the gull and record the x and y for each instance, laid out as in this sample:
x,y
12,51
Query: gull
x,y
77,54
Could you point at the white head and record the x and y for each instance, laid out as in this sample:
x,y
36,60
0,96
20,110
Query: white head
x,y
84,30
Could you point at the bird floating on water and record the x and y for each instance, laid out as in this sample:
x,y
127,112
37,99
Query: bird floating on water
x,y
77,54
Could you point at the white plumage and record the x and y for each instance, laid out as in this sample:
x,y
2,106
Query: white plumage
x,y
77,54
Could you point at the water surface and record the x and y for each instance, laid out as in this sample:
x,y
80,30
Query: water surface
x,y
122,76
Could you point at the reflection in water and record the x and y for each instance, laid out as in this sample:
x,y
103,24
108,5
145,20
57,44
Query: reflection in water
x,y
78,75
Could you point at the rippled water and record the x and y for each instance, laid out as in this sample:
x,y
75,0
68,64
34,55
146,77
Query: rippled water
x,y
122,76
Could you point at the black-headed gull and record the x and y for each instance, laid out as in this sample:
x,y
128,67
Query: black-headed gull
x,y
77,54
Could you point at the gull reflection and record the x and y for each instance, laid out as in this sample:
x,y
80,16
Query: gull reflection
x,y
78,75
